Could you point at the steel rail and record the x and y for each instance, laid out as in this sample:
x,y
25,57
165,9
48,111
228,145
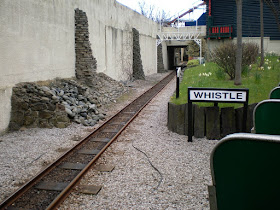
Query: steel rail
x,y
61,197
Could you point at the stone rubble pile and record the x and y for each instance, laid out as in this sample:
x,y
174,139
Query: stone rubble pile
x,y
62,101
80,104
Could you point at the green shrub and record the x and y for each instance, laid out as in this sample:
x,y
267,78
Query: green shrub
x,y
220,74
250,53
225,57
192,63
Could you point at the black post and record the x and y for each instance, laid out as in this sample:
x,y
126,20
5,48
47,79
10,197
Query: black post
x,y
190,124
177,86
178,71
244,123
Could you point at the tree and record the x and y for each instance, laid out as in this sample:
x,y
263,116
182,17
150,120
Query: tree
x,y
275,8
194,48
238,68
262,32
153,13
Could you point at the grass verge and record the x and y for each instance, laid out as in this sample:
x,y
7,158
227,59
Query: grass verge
x,y
259,81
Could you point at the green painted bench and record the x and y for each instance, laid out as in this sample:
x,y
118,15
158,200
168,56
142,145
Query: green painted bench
x,y
245,170
275,93
267,117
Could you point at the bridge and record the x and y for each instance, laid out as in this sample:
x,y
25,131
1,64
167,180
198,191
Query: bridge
x,y
187,33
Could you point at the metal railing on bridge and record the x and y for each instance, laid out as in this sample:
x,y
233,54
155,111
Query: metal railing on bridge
x,y
176,36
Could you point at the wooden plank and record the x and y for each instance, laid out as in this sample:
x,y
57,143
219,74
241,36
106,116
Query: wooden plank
x,y
89,189
110,131
117,123
199,121
212,122
105,140
228,124
129,112
73,166
89,151
51,186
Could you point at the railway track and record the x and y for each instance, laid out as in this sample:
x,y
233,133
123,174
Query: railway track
x,y
51,186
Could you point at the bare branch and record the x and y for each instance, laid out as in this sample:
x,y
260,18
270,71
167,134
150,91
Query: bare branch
x,y
152,12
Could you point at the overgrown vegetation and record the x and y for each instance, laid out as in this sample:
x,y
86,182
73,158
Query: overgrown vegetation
x,y
192,63
194,49
259,80
225,57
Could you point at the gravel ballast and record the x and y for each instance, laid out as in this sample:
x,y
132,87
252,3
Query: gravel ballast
x,y
183,167
26,152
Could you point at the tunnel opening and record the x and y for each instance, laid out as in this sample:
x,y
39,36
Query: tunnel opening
x,y
177,56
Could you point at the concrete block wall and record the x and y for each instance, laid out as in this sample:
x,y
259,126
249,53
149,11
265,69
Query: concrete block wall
x,y
38,42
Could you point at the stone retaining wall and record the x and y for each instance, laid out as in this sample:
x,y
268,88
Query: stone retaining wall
x,y
212,122
160,65
138,72
62,101
85,62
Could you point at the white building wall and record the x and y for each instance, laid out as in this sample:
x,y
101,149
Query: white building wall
x,y
37,42
269,45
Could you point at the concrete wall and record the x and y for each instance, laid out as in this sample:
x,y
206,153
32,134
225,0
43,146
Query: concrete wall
x,y
189,29
165,55
37,42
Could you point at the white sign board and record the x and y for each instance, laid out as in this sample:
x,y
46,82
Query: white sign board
x,y
218,95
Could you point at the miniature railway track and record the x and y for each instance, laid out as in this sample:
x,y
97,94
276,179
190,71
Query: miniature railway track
x,y
52,185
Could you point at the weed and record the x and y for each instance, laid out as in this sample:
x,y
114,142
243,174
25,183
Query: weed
x,y
258,77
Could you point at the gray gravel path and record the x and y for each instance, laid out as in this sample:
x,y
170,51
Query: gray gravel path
x,y
183,167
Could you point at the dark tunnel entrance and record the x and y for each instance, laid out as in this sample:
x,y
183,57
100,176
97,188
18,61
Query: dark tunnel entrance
x,y
177,56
